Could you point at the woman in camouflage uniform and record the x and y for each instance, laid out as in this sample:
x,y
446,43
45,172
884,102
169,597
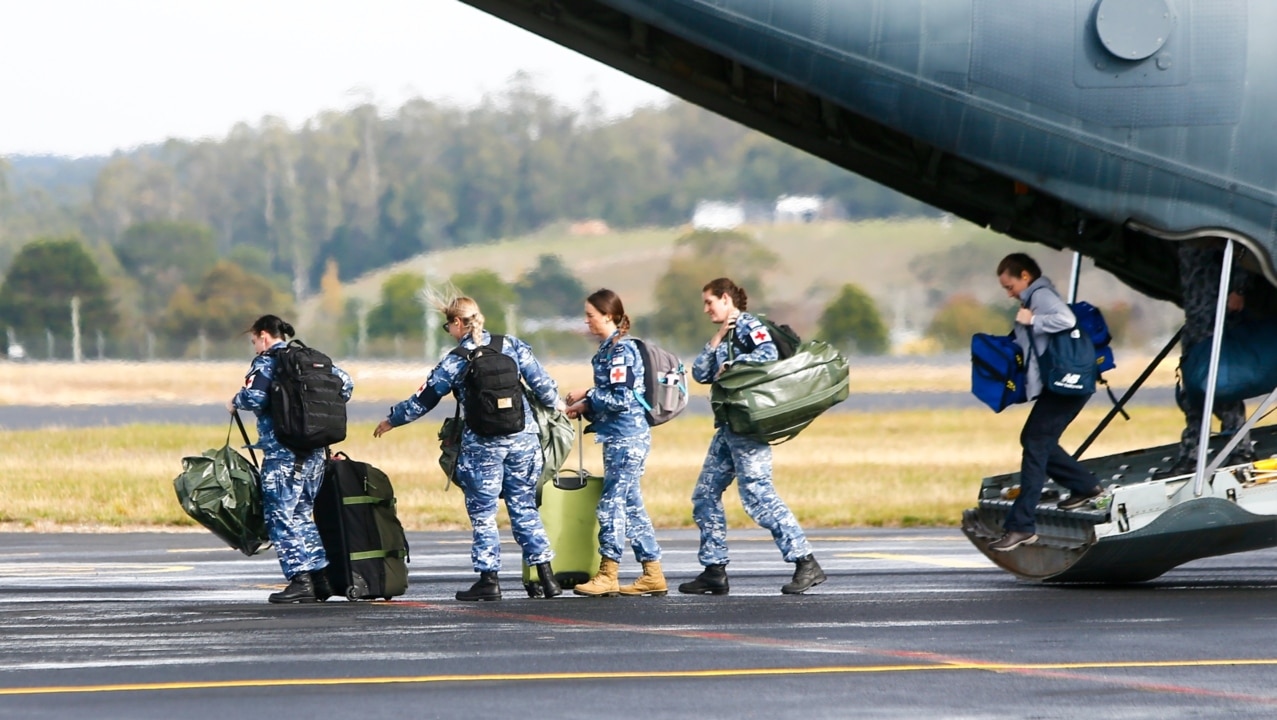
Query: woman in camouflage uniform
x,y
290,480
736,457
490,467
618,420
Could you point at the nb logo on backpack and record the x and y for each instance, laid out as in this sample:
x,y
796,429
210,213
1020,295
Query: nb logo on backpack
x,y
1072,379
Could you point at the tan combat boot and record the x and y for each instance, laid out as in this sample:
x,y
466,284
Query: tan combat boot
x,y
604,584
651,582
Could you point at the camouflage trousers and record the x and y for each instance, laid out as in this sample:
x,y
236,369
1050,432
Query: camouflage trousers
x,y
1231,418
621,513
732,457
289,485
509,466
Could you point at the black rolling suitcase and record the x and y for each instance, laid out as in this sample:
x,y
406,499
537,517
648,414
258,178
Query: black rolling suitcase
x,y
366,548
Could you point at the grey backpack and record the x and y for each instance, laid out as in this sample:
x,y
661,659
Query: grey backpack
x,y
664,393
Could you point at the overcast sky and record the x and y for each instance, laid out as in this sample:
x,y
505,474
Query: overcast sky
x,y
90,76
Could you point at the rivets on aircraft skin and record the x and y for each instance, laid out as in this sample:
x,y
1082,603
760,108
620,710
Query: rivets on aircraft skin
x,y
1130,29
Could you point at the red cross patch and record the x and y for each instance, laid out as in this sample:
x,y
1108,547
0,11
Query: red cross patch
x,y
619,373
248,381
761,336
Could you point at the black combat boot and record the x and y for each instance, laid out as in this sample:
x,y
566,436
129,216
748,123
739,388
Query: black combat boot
x,y
323,590
807,574
300,590
487,588
711,581
549,584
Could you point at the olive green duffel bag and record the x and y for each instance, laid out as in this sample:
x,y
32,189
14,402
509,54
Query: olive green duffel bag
x,y
222,491
772,402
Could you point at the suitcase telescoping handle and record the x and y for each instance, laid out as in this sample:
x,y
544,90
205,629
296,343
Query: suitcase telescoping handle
x,y
564,482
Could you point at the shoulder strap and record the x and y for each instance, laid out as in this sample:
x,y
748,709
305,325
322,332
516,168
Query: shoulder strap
x,y
497,342
736,342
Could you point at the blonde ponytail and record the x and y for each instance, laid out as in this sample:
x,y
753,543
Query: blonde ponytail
x,y
474,324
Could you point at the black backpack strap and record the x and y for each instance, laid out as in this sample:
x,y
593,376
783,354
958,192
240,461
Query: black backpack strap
x,y
738,343
294,343
495,342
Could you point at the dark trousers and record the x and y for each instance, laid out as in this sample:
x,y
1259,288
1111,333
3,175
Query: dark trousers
x,y
1043,456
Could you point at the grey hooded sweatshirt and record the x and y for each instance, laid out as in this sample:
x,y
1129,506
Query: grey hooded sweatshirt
x,y
1050,315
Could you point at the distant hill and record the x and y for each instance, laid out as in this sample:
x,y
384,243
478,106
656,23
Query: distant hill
x,y
817,259
61,177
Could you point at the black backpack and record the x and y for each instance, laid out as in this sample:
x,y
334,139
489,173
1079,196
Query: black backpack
x,y
305,399
1068,367
787,341
494,393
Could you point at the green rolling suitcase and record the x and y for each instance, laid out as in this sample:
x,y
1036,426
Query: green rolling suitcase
x,y
567,503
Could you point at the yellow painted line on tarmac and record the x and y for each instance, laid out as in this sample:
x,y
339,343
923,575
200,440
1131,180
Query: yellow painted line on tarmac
x,y
628,675
920,559
63,570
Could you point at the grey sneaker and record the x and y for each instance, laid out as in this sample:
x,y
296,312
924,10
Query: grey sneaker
x,y
1012,540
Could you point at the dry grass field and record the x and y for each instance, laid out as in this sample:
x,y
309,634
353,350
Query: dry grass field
x,y
176,382
848,469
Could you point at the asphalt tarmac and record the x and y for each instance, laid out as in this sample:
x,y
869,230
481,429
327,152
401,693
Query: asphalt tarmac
x,y
910,624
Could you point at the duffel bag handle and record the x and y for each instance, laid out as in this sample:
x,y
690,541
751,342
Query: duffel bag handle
x,y
248,444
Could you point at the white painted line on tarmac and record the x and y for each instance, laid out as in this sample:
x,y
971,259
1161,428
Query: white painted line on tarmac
x,y
67,570
935,560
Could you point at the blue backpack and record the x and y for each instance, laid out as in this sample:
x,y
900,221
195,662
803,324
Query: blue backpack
x,y
1091,320
997,371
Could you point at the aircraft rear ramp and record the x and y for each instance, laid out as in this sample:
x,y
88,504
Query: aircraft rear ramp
x,y
1150,526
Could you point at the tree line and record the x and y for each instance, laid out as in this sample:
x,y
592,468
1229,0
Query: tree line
x,y
269,210
850,321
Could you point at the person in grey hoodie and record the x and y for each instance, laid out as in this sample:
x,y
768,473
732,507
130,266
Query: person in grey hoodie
x,y
1041,313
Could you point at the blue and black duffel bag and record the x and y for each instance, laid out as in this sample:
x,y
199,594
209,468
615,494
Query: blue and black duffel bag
x,y
1246,362
997,371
